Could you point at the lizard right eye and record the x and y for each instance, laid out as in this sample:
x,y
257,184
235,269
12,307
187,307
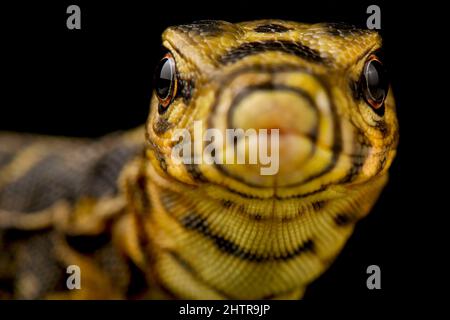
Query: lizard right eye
x,y
165,82
375,84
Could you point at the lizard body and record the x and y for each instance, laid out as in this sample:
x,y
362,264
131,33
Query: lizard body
x,y
140,225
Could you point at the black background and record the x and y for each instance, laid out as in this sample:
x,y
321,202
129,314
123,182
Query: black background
x,y
98,79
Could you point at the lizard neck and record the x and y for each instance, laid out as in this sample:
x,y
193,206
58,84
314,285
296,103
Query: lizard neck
x,y
203,242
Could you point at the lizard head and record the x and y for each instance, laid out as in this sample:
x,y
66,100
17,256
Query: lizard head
x,y
319,93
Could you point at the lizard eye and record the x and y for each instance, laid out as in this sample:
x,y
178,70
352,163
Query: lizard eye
x,y
375,84
165,82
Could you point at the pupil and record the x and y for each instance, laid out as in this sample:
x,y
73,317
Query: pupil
x,y
376,81
165,78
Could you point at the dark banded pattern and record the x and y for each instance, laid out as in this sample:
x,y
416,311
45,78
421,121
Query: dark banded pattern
x,y
92,172
194,222
289,47
204,27
339,29
271,28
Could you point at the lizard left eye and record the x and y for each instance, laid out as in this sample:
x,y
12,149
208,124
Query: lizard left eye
x,y
375,84
165,82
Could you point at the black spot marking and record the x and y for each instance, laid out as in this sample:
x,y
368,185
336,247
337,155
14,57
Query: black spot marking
x,y
186,89
289,47
382,163
271,28
358,160
257,217
194,222
163,164
344,219
227,204
353,172
195,172
158,154
343,30
318,205
381,125
204,27
161,125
